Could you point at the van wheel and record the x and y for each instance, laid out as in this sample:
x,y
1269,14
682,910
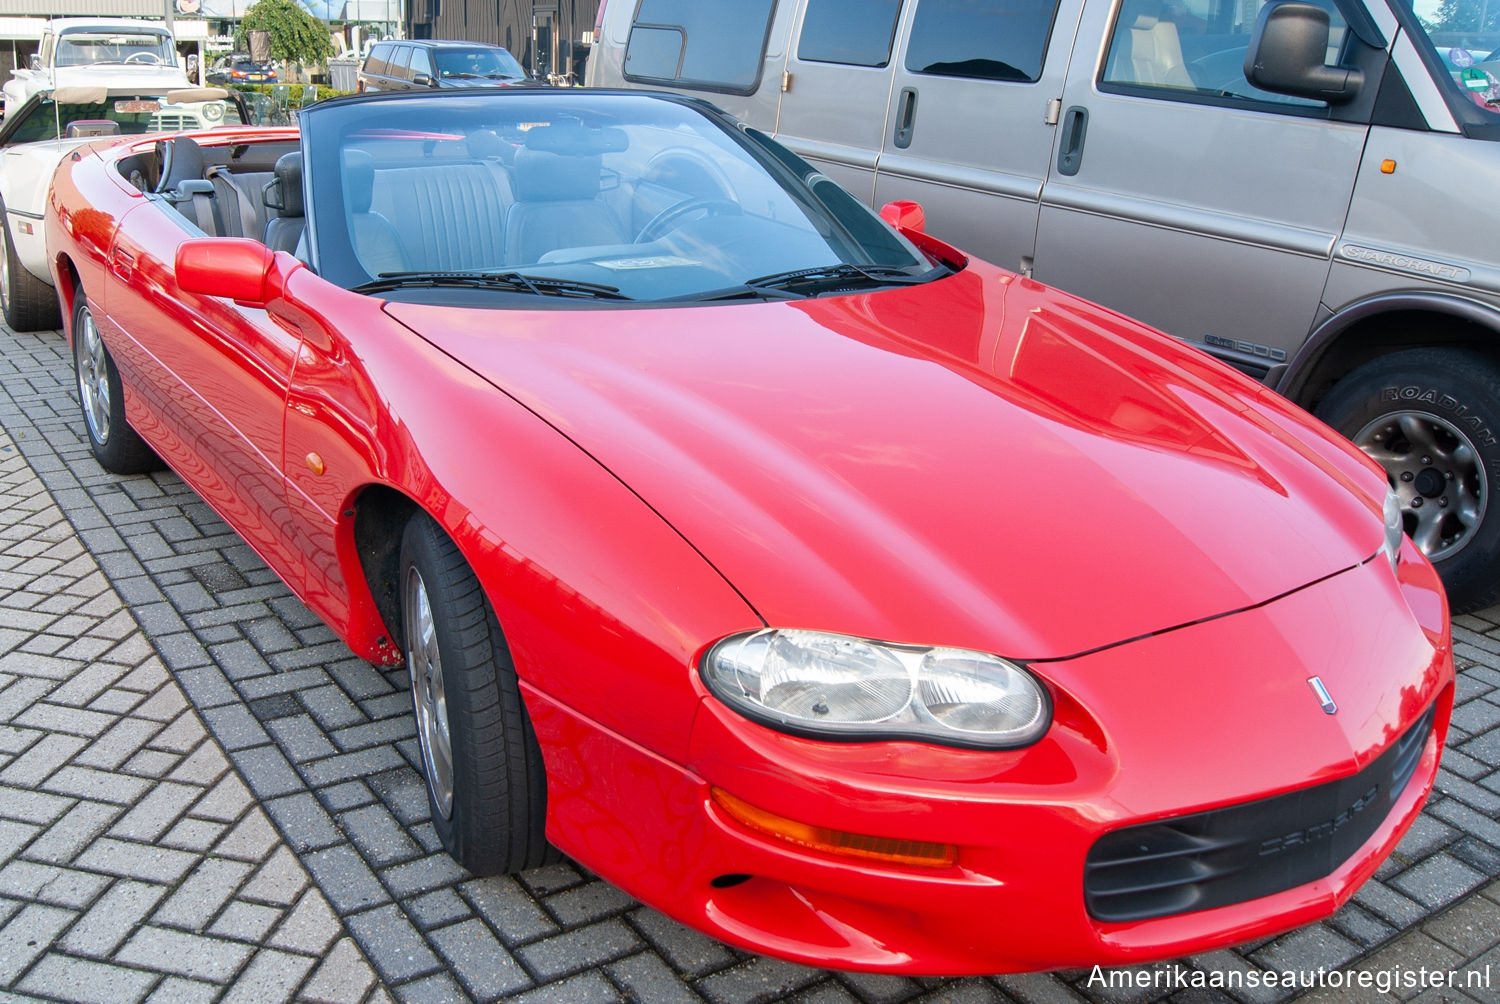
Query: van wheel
x,y
486,785
118,448
29,303
1431,418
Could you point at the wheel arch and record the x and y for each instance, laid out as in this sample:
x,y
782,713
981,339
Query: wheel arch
x,y
1380,325
68,285
377,514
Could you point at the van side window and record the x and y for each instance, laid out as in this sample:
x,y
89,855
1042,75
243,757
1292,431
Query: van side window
x,y
420,62
852,32
1197,51
987,39
1470,54
716,47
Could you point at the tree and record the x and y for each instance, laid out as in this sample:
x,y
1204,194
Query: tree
x,y
296,36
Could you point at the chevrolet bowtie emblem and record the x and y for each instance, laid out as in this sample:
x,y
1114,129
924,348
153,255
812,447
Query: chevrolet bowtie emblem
x,y
1324,697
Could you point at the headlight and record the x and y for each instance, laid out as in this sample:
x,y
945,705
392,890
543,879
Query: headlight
x,y
1394,526
213,111
836,687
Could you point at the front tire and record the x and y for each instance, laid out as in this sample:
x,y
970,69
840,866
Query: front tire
x,y
486,785
28,302
1431,418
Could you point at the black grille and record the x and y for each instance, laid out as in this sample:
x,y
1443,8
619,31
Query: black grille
x,y
1244,851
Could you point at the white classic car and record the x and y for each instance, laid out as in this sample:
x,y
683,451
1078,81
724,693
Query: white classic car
x,y
44,129
98,52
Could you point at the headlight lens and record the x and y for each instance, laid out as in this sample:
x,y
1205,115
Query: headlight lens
x,y
835,686
1394,526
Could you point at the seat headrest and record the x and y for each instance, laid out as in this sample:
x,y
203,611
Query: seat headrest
x,y
181,160
571,139
284,191
359,180
548,177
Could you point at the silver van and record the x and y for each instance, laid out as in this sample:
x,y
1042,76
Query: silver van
x,y
1307,189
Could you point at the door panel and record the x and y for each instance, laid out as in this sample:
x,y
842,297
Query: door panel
x,y
968,134
1213,222
212,375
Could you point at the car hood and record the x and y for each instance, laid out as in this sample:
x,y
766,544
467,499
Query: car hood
x,y
979,461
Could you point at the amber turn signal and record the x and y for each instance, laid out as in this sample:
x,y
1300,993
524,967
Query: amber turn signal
x,y
820,838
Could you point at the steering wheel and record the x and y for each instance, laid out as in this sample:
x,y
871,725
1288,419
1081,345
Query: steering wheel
x,y
144,57
667,219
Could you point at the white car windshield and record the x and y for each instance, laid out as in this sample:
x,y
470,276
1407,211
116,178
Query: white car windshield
x,y
86,48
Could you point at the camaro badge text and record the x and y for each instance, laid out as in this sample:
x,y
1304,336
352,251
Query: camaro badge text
x,y
1324,697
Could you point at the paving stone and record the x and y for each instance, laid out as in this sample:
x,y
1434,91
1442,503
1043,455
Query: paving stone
x,y
225,802
391,943
585,947
101,930
87,982
513,914
1437,881
377,834
234,727
349,795
270,978
139,861
50,884
190,955
62,843
202,895
157,811
98,785
26,936
343,976
251,840
588,903
193,835
304,822
41,761
586,988
478,959
423,875
645,977
1469,927
267,771
203,766
309,927
280,880
345,879
758,979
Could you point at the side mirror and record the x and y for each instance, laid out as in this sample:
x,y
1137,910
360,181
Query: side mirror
x,y
423,80
1287,51
35,62
233,267
905,215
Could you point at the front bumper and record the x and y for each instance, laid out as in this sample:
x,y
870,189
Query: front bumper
x,y
1205,716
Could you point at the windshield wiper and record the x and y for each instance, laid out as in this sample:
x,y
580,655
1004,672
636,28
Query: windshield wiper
x,y
513,282
822,278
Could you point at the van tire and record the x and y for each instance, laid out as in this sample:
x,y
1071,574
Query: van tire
x,y
1431,418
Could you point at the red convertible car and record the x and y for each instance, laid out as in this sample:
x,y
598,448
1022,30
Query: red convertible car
x,y
845,598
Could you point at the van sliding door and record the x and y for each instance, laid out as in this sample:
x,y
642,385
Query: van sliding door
x,y
968,132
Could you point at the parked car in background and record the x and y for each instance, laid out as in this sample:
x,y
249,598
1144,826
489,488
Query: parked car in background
x,y
841,595
421,63
98,52
241,69
1293,187
47,127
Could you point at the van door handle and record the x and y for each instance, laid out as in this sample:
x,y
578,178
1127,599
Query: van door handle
x,y
1070,153
906,117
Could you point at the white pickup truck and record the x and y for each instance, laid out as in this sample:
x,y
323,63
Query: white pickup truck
x,y
98,52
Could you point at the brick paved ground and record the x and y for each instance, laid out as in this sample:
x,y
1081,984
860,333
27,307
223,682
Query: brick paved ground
x,y
202,792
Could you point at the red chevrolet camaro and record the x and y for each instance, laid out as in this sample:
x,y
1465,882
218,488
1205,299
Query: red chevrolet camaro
x,y
842,596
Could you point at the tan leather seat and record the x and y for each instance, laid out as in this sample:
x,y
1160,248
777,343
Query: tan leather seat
x,y
1156,53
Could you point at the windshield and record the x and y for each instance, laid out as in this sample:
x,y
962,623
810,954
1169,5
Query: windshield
x,y
129,114
476,62
84,48
608,196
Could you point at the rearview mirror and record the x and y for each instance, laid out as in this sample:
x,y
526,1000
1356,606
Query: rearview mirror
x,y
905,215
232,267
1287,52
